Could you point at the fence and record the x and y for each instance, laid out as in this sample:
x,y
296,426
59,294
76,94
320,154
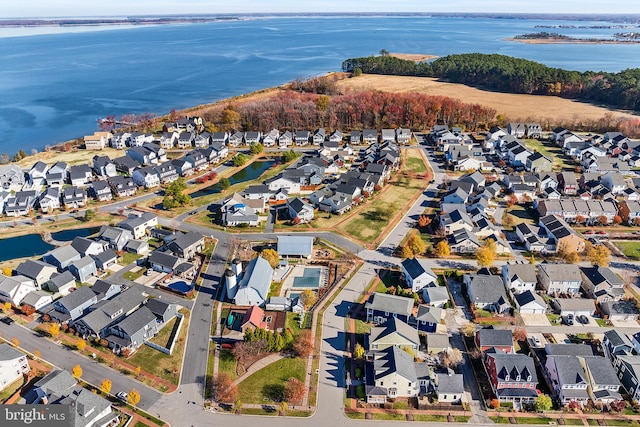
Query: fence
x,y
172,337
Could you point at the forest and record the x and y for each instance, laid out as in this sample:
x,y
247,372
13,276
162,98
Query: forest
x,y
514,75
353,110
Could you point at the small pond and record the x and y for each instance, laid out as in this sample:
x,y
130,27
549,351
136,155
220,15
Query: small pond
x,y
29,245
253,171
69,235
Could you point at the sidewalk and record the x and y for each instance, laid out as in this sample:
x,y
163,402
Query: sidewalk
x,y
259,364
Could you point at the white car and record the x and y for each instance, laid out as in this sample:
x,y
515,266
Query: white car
x,y
122,396
536,341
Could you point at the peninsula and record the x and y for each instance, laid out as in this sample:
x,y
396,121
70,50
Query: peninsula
x,y
556,38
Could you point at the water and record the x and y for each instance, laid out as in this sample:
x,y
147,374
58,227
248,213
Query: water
x,y
30,245
68,235
53,87
248,173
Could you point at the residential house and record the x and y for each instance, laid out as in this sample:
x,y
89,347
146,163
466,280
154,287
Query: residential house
x,y
13,365
564,238
382,307
35,270
603,384
13,289
60,283
101,191
538,163
183,167
620,310
336,204
105,259
629,211
270,139
38,173
449,387
237,214
115,238
403,136
519,277
80,175
163,310
126,164
104,167
500,340
197,159
146,177
299,210
253,286
74,305
355,137
393,333
512,377
319,136
187,245
285,139
574,306
437,296
614,182
139,224
168,140
455,220
21,203
166,172
49,200
142,155
74,197
302,137
220,137
518,130
83,268
567,183
61,257
185,140
253,319
236,139
122,186
602,284
463,241
202,140
37,300
558,279
487,292
529,302
57,174
105,290
137,246
427,318
132,331
96,323
437,343
12,178
120,140
391,374
164,262
417,274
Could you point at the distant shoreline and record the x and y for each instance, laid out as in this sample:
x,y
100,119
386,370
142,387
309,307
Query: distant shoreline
x,y
570,41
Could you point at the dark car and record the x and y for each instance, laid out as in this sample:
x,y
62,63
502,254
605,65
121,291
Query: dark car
x,y
7,320
583,319
569,319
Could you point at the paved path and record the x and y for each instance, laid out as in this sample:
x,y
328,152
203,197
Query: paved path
x,y
259,364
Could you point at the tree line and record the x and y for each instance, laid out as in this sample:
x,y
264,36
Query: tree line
x,y
514,75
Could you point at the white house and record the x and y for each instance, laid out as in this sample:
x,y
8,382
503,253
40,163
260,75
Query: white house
x,y
14,289
13,365
417,274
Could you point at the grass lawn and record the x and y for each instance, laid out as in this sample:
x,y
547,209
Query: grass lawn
x,y
129,275
163,336
128,258
355,415
431,418
560,161
521,214
573,422
500,420
272,413
532,420
390,417
274,290
227,363
602,323
414,162
160,364
292,322
10,389
629,249
267,384
621,422
361,327
554,319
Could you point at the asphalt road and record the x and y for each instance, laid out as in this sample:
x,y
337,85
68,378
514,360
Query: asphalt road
x,y
92,372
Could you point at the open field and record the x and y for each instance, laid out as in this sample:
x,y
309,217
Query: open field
x,y
514,106
629,249
561,162
267,384
73,157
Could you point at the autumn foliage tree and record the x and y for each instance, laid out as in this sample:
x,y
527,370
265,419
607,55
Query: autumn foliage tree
x,y
303,344
76,371
599,255
81,344
486,254
417,245
271,255
308,297
294,390
133,397
442,249
519,334
225,389
54,329
105,386
424,221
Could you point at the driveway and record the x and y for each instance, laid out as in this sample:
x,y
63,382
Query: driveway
x,y
535,319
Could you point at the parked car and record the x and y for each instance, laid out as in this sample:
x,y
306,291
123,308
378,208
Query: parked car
x,y
7,320
536,341
583,319
122,396
569,319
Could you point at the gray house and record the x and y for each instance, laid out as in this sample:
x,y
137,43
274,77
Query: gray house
x,y
163,310
133,330
61,257
187,245
83,268
106,259
72,306
86,246
39,271
115,238
487,292
61,283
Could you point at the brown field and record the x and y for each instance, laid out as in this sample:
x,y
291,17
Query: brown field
x,y
416,57
514,106
73,157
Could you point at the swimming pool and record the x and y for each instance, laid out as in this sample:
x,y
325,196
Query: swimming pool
x,y
181,286
310,278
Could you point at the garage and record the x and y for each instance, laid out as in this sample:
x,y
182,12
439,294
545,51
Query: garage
x,y
530,302
575,306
